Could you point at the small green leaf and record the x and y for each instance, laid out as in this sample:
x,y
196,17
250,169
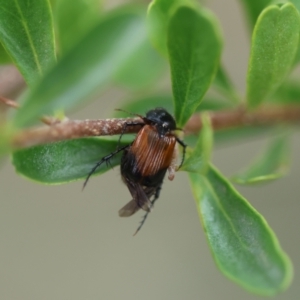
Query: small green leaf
x,y
253,8
86,14
199,159
91,64
159,13
274,46
6,134
213,103
243,245
26,32
65,161
272,165
143,69
194,46
224,84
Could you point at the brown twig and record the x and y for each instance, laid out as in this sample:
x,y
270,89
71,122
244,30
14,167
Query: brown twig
x,y
11,103
8,102
268,115
67,130
220,120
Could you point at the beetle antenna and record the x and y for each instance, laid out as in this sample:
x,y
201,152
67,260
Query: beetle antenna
x,y
141,223
144,218
98,164
157,192
130,113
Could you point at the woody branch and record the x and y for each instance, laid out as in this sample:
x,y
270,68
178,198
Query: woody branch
x,y
71,129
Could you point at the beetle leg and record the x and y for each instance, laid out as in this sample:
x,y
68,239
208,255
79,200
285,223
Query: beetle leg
x,y
125,127
181,143
100,162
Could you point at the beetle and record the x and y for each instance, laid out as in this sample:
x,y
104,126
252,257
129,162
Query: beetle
x,y
145,161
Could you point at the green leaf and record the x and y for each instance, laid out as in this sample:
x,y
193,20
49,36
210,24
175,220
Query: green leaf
x,y
194,46
243,245
91,64
213,103
65,161
274,46
26,32
198,160
297,5
253,8
6,134
4,57
271,165
159,13
74,21
287,93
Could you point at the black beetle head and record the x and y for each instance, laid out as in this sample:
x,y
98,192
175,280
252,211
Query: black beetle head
x,y
161,119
